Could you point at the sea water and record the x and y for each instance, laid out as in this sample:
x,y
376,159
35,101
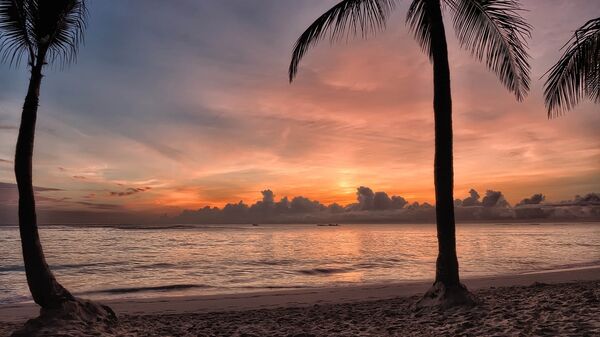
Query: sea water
x,y
105,262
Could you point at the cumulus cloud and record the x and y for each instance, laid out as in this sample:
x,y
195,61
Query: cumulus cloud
x,y
491,199
398,202
378,207
535,199
590,199
335,208
365,197
235,210
472,200
416,206
381,201
305,205
268,196
376,201
298,209
494,199
282,205
371,207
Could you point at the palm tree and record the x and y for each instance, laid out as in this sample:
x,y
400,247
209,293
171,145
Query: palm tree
x,y
43,31
494,32
577,74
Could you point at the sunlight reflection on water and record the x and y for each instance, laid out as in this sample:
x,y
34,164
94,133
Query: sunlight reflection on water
x,y
104,262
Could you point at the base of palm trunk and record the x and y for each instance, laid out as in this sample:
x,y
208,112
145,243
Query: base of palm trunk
x,y
441,296
77,317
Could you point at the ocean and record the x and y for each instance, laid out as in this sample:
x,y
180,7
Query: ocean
x,y
104,262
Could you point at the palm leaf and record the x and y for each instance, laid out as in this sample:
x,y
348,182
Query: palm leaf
x,y
14,31
58,28
495,33
577,74
347,17
417,20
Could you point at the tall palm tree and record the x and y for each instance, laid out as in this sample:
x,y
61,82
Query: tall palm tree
x,y
494,32
43,31
577,74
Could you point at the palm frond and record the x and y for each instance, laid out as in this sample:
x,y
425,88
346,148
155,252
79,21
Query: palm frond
x,y
495,33
577,74
417,20
15,31
58,27
347,17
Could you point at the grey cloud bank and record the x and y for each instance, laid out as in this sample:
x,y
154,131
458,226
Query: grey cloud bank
x,y
378,207
371,207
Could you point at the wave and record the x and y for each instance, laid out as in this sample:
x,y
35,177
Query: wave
x,y
14,299
159,265
165,288
381,263
84,265
151,227
178,227
177,287
266,262
324,271
10,268
20,267
565,267
375,265
275,287
593,263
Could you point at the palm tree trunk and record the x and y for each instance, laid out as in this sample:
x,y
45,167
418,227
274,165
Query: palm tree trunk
x,y
46,291
447,261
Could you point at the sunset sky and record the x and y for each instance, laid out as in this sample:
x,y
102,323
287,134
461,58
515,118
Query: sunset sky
x,y
178,105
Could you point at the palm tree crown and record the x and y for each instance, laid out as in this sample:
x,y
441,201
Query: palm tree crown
x,y
43,30
577,74
492,30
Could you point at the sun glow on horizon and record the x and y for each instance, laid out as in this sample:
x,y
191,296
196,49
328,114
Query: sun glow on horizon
x,y
215,122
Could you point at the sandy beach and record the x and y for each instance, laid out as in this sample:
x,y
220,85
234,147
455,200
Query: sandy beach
x,y
560,302
298,168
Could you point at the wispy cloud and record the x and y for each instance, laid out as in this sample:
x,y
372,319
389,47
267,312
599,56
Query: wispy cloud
x,y
130,191
194,98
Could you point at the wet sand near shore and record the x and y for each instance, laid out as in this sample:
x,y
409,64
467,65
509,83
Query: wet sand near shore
x,y
554,303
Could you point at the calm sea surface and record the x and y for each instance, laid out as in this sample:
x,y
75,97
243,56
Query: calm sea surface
x,y
109,262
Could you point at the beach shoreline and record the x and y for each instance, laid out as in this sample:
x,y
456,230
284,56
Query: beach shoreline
x,y
12,315
308,296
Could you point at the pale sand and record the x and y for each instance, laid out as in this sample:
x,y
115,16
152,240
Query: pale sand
x,y
567,304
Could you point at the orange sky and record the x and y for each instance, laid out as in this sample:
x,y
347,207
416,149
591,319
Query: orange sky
x,y
161,114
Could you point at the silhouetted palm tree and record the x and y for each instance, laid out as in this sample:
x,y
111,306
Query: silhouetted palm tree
x,y
494,32
43,32
577,74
